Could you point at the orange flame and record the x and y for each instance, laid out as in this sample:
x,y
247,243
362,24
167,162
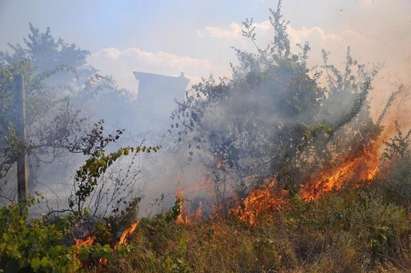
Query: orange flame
x,y
362,166
186,215
88,241
182,218
125,235
265,198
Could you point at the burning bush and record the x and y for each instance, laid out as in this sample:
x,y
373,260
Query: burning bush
x,y
276,117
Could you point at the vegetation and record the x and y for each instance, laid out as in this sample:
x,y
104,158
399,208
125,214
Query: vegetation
x,y
276,116
47,244
58,84
356,230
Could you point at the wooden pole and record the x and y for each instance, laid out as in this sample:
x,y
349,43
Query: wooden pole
x,y
22,164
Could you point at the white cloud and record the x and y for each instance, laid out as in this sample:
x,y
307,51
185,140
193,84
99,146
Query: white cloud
x,y
233,31
121,64
264,32
387,45
316,36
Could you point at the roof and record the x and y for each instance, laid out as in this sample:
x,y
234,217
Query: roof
x,y
151,76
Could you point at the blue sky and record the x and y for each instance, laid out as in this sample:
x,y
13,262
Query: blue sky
x,y
194,36
97,24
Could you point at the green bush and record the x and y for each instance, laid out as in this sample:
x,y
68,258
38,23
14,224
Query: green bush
x,y
34,245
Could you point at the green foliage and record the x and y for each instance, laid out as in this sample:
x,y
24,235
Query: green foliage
x,y
94,145
34,245
55,80
356,230
92,256
87,176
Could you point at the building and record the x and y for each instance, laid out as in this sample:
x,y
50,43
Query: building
x,y
157,95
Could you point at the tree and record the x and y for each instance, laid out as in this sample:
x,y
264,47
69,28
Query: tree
x,y
275,116
56,77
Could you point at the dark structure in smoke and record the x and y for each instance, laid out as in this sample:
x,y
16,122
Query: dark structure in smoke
x,y
156,99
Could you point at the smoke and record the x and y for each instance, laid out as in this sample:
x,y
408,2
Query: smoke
x,y
378,32
250,130
255,126
255,129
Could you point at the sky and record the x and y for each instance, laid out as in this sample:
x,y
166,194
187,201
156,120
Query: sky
x,y
196,36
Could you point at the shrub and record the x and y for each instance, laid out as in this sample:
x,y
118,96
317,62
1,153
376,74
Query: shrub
x,y
397,184
34,245
357,224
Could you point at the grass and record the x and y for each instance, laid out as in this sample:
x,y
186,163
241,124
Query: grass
x,y
350,231
354,230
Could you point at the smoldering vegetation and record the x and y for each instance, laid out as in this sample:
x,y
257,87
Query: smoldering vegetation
x,y
279,168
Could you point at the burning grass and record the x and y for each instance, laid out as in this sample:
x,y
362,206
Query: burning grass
x,y
125,235
339,221
361,167
357,229
354,230
268,197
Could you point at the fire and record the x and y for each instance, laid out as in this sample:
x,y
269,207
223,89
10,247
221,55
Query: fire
x,y
88,241
126,234
182,218
265,198
188,215
123,239
362,166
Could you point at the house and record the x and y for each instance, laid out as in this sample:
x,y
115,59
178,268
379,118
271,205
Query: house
x,y
157,95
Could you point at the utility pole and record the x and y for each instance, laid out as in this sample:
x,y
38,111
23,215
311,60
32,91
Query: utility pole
x,y
22,164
